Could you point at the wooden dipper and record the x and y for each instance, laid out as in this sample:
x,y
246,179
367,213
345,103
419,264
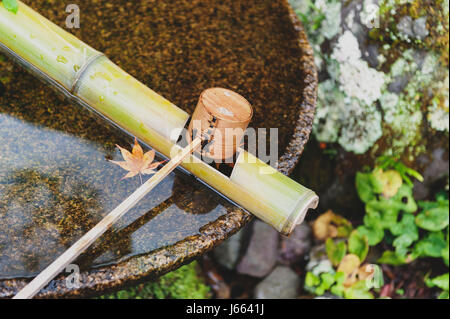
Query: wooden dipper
x,y
229,113
217,110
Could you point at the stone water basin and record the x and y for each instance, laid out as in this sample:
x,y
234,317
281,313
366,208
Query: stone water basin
x,y
55,180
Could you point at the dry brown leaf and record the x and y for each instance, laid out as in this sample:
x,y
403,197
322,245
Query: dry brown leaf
x,y
390,180
366,271
350,267
328,225
137,162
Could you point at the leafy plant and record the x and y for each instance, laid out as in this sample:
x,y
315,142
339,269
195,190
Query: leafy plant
x,y
414,229
11,5
440,282
358,244
345,275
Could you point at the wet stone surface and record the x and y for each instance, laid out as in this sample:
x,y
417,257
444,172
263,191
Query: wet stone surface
x,y
262,251
55,181
282,283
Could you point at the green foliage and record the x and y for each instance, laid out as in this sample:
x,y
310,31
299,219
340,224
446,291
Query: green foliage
x,y
334,282
435,215
335,251
182,283
330,281
392,258
344,281
11,5
358,244
398,217
413,230
431,246
440,282
389,212
359,290
385,162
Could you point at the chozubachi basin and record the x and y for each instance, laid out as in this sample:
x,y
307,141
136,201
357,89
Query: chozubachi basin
x,y
56,181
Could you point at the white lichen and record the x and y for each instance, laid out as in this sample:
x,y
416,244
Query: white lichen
x,y
362,128
331,25
356,78
370,15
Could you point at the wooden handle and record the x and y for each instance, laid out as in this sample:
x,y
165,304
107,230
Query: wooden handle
x,y
84,242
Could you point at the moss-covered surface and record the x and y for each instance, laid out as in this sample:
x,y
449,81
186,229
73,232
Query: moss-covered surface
x,y
384,82
183,283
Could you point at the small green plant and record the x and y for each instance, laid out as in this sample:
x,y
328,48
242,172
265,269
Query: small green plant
x,y
393,214
344,273
440,282
11,5
413,229
182,283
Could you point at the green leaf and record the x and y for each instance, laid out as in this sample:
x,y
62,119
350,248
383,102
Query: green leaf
x,y
377,180
404,200
407,233
374,235
358,244
444,295
335,252
433,219
445,252
388,209
311,280
358,291
440,282
326,281
431,246
364,186
388,182
338,289
11,5
392,258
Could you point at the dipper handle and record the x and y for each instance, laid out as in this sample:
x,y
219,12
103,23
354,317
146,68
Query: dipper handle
x,y
39,282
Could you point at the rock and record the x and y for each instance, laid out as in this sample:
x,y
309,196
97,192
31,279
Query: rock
x,y
262,251
294,247
399,83
227,254
282,283
420,28
435,167
371,55
316,255
405,26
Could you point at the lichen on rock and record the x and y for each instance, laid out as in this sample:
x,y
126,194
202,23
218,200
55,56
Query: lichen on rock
x,y
383,73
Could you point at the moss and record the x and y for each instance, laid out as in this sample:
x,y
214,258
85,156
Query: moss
x,y
404,102
391,11
183,283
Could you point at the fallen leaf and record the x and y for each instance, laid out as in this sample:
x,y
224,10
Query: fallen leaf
x,y
330,225
349,265
390,181
137,162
